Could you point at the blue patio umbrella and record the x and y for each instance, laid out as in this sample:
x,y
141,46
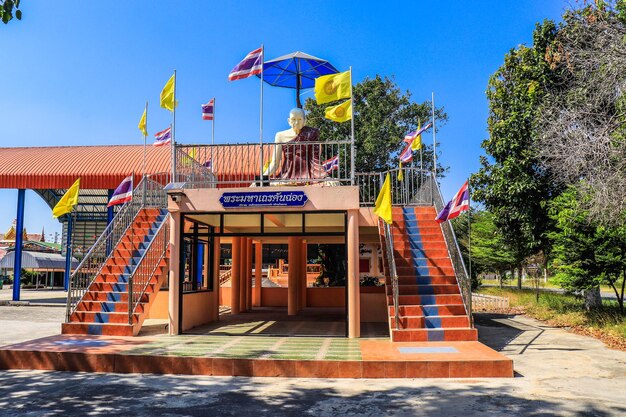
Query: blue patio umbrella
x,y
296,70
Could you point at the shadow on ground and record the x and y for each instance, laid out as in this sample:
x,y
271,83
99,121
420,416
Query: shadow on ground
x,y
64,394
495,330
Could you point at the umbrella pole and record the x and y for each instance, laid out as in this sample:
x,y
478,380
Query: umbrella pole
x,y
298,103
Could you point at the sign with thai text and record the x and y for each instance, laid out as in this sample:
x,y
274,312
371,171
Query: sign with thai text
x,y
264,199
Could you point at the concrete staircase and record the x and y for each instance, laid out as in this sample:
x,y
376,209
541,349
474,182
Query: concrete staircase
x,y
103,309
430,304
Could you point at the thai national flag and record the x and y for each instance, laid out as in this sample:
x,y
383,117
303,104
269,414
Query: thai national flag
x,y
251,65
332,164
410,137
123,192
407,154
208,110
458,204
163,137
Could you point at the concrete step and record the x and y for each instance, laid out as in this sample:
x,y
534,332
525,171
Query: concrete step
x,y
108,306
431,252
427,299
103,317
424,270
112,278
121,287
98,329
425,289
430,322
420,261
434,335
111,296
429,310
427,280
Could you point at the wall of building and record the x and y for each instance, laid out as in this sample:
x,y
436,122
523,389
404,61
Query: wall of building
x,y
319,198
374,306
158,309
373,303
198,309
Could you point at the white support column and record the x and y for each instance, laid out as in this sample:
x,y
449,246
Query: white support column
x,y
352,281
174,278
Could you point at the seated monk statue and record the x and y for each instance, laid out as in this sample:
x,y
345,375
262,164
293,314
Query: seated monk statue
x,y
294,160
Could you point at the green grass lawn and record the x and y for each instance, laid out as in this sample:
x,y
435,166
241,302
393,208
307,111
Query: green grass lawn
x,y
568,311
549,284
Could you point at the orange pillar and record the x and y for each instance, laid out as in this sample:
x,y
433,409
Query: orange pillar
x,y
243,263
234,276
249,251
292,278
174,273
216,276
304,276
352,281
258,274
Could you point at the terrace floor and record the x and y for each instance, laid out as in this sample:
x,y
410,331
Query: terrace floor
x,y
265,343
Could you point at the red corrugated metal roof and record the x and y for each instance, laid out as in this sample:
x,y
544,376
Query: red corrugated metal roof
x,y
99,167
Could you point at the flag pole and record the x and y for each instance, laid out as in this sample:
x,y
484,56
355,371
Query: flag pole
x,y
144,144
212,134
352,159
434,139
213,125
173,143
261,122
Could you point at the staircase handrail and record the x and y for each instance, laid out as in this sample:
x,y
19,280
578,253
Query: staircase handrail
x,y
463,279
150,259
146,193
225,275
391,262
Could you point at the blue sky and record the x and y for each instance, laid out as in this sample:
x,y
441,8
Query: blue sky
x,y
79,72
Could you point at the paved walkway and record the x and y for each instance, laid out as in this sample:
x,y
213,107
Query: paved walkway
x,y
41,296
40,315
557,374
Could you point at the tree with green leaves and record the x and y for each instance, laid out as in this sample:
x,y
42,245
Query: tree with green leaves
x,y
582,122
585,253
8,9
489,251
511,183
383,116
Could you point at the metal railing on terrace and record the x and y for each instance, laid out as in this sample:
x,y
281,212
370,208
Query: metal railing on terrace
x,y
245,165
303,163
413,190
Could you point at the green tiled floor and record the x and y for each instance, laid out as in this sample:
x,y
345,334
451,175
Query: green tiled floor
x,y
302,348
268,334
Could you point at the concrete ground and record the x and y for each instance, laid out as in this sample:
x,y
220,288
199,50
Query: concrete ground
x,y
40,296
38,315
557,374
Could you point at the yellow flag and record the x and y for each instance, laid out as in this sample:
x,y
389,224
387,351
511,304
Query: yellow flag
x,y
382,208
266,165
143,122
68,201
167,94
341,112
417,142
400,173
187,160
332,87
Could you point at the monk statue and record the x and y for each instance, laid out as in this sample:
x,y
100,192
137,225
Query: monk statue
x,y
293,160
